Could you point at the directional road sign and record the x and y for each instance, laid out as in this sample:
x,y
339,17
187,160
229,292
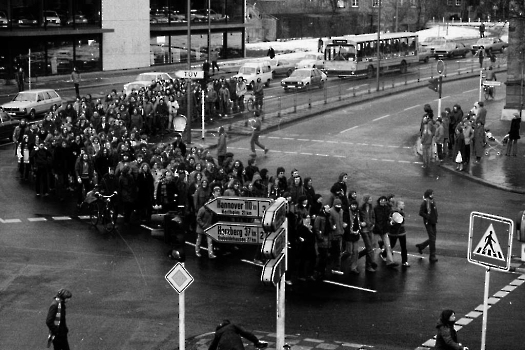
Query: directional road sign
x,y
273,270
490,240
275,215
179,278
491,83
246,206
190,74
228,232
273,244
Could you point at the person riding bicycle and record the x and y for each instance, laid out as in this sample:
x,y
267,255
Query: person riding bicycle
x,y
228,337
490,76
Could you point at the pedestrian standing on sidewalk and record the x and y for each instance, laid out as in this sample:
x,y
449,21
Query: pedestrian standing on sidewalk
x,y
56,321
256,124
214,57
481,55
204,220
258,91
514,135
478,141
427,138
222,147
75,76
482,30
447,337
428,211
397,231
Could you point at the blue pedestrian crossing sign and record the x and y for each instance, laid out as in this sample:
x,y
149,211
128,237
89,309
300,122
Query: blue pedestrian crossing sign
x,y
490,240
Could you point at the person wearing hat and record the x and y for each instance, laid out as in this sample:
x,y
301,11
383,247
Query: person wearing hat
x,y
514,135
447,337
428,211
56,321
178,143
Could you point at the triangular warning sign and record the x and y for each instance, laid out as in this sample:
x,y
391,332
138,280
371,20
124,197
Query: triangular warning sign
x,y
489,245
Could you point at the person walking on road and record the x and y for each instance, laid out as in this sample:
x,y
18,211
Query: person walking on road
x,y
481,55
447,337
75,76
482,30
428,211
271,53
20,77
256,124
56,321
228,337
514,135
258,91
214,57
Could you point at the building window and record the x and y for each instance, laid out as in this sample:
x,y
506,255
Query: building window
x,y
450,2
413,3
375,3
341,4
458,2
355,3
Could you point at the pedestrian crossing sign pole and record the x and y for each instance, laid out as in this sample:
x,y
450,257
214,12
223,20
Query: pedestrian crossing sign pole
x,y
489,245
490,240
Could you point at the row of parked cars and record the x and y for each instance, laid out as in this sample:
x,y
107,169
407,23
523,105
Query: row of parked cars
x,y
439,47
161,16
21,17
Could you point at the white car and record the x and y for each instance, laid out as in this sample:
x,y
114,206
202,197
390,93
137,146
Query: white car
x,y
304,78
52,18
32,103
145,80
311,60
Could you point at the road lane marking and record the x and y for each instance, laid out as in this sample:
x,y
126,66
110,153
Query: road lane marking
x,y
61,218
352,128
349,286
385,116
288,138
303,139
377,145
337,156
11,221
273,137
36,219
406,109
318,140
466,92
322,155
307,154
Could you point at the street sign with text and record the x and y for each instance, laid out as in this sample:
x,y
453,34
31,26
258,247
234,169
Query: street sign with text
x,y
273,270
490,240
246,207
240,233
190,74
275,215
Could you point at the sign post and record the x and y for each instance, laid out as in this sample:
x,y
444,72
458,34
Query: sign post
x,y
489,245
179,278
275,248
440,69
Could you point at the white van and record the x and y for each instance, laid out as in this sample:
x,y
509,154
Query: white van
x,y
251,71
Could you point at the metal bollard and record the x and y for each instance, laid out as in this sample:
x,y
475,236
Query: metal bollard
x,y
340,92
418,74
295,103
393,83
309,102
382,86
325,96
279,107
353,89
406,80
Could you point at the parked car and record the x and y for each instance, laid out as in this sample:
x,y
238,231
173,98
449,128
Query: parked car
x,y
304,78
432,42
490,45
4,21
156,17
311,60
202,16
21,17
281,67
51,18
451,50
79,19
424,54
32,103
7,125
145,80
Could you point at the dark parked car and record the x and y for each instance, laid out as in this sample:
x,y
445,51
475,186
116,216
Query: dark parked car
x,y
7,125
21,17
451,50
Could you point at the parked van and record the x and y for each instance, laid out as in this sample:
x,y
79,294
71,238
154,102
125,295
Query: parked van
x,y
251,71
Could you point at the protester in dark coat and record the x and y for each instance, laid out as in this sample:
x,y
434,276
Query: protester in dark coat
x,y
228,337
145,189
447,337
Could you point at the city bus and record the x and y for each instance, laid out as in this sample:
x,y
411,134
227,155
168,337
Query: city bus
x,y
354,55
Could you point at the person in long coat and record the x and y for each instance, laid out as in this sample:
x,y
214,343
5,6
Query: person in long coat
x,y
514,135
478,140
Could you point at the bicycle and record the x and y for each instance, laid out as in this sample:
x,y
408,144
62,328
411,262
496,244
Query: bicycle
x,y
102,211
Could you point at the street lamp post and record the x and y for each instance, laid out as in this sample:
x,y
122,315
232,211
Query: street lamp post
x,y
378,42
188,81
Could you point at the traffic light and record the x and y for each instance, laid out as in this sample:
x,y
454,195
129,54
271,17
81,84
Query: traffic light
x,y
433,84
